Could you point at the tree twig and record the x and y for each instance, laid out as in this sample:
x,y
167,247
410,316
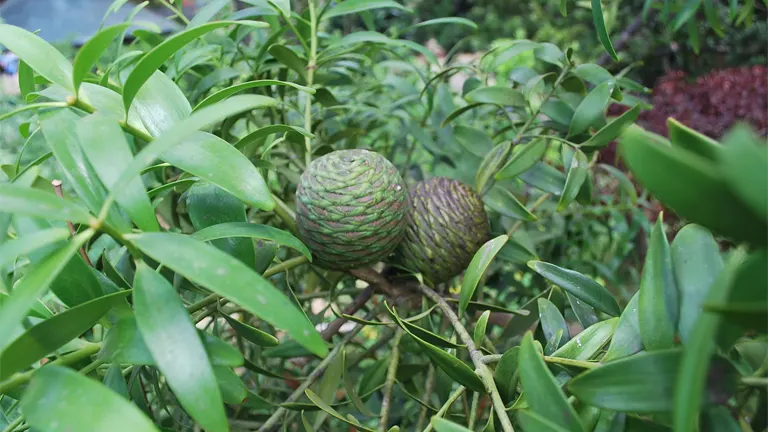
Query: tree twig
x,y
358,303
476,355
386,400
430,387
447,405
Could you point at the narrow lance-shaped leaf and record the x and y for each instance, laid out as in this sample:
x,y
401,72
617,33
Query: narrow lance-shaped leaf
x,y
355,6
21,246
579,286
602,31
35,202
106,147
230,278
542,392
34,284
626,338
658,305
585,345
479,333
590,110
552,320
173,341
477,267
523,157
41,56
89,53
612,130
237,88
245,229
577,173
59,399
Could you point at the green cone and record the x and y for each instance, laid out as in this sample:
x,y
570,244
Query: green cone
x,y
447,224
350,209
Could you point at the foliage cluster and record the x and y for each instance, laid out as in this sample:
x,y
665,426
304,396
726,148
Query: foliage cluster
x,y
163,285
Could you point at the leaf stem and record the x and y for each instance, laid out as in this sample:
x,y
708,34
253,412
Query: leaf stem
x,y
447,405
386,401
274,419
311,65
473,410
67,359
755,381
481,368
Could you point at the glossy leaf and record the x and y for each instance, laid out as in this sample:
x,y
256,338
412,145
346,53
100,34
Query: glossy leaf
x,y
688,139
425,335
35,202
626,338
505,203
479,333
544,177
53,333
552,320
320,403
446,20
574,180
744,162
648,389
289,58
245,229
160,104
676,177
270,130
612,130
523,157
506,374
658,306
602,32
26,81
11,250
473,140
183,130
232,388
490,165
151,61
585,345
480,262
251,333
579,286
497,95
41,56
172,339
34,284
459,111
59,399
230,278
442,425
89,53
237,88
542,393
696,262
107,149
590,110
356,6
532,422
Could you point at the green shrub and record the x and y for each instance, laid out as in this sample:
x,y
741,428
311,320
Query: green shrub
x,y
155,279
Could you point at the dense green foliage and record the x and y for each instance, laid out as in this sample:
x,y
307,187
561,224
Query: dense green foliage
x,y
155,275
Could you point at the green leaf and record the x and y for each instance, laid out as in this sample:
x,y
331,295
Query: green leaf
x,y
374,37
34,284
490,165
544,177
532,422
688,11
251,333
612,130
60,400
602,32
329,384
691,381
41,56
480,262
53,333
506,374
318,401
184,129
232,388
574,180
564,7
688,139
676,178
114,380
289,58
208,12
473,140
452,366
172,339
237,88
523,157
152,60
445,20
658,306
693,36
107,149
579,286
230,278
552,320
425,335
160,104
269,130
648,389
89,53
557,110
744,162
590,110
542,392
210,157
696,262
442,425
355,6
245,229
625,183
25,244
26,81
479,333
459,111
585,345
497,95
626,338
